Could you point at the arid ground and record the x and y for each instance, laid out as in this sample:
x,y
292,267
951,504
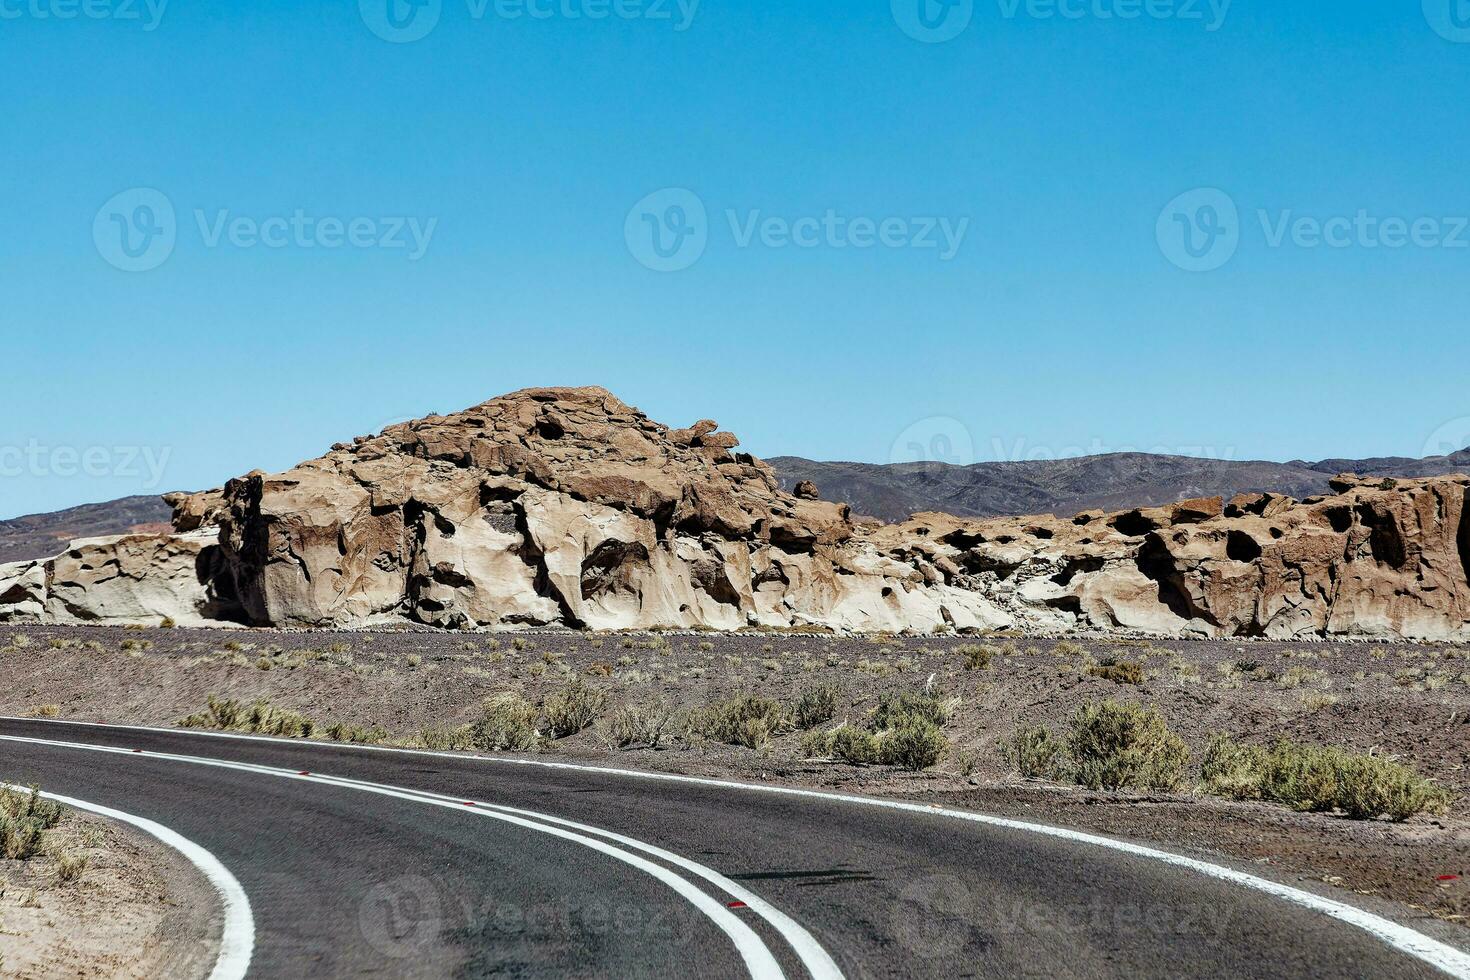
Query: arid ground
x,y
104,899
1405,701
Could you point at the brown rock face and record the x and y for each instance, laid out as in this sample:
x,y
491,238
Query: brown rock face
x,y
564,505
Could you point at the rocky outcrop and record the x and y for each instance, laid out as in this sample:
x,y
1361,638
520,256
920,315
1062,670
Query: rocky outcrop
x,y
566,506
130,578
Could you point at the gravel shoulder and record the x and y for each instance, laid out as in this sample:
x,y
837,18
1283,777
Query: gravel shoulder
x,y
1407,701
138,909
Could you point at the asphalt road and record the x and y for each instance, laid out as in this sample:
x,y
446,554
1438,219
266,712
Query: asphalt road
x,y
347,881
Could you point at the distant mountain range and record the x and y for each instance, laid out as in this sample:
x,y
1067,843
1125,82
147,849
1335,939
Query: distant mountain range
x,y
1119,481
43,535
892,492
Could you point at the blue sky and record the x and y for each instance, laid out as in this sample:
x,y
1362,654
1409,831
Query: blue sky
x,y
815,307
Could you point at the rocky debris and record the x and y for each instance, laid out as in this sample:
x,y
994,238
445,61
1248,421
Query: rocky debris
x,y
806,490
566,506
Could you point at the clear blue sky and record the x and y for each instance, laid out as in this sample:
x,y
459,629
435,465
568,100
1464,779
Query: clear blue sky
x,y
1060,322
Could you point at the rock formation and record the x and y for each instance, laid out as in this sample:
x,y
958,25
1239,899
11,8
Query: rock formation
x,y
566,506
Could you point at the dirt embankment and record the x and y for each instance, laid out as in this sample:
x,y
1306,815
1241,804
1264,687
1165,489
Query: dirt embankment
x,y
1405,701
136,909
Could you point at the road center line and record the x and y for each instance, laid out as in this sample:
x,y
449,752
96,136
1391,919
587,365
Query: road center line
x,y
237,939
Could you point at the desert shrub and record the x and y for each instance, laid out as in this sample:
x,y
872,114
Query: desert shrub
x,y
1068,649
1117,671
746,720
1118,746
914,744
572,709
904,708
634,725
355,734
1232,769
1036,753
977,657
506,724
1369,787
1319,779
1304,777
69,867
261,718
815,706
24,818
845,742
444,739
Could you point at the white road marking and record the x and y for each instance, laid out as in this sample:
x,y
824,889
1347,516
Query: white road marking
x,y
1442,956
759,961
237,940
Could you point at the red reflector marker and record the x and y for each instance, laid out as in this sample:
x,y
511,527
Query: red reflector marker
x,y
1448,878
137,752
469,804
737,905
303,773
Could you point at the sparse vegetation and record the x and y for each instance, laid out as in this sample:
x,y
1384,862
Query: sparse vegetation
x,y
816,706
572,709
747,720
1036,753
1117,671
651,726
1319,779
506,724
24,820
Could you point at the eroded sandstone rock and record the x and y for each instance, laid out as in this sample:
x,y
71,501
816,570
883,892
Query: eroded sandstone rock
x,y
567,506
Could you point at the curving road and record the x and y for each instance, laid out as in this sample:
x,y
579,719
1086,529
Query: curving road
x,y
361,862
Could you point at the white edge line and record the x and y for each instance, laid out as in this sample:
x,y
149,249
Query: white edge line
x,y
1442,956
759,961
237,940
